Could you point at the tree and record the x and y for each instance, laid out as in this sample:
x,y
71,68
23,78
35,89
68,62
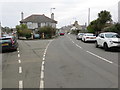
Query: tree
x,y
98,24
104,16
22,30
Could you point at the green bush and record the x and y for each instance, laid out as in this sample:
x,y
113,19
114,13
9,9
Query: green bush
x,y
48,31
22,31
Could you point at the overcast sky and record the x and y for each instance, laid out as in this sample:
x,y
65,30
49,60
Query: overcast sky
x,y
66,11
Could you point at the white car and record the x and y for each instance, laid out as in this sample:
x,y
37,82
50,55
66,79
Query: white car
x,y
88,37
79,36
108,40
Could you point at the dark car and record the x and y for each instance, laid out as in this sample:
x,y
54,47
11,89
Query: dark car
x,y
8,43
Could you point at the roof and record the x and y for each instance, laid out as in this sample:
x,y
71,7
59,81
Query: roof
x,y
109,33
38,19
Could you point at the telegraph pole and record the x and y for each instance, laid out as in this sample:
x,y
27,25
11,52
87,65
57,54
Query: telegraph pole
x,y
0,29
88,16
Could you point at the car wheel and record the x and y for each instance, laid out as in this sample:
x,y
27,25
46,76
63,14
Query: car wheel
x,y
96,44
84,40
105,47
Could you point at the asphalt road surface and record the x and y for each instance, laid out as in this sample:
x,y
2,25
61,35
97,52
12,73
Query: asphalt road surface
x,y
63,62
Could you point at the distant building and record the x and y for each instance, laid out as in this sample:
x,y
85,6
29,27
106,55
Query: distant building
x,y
119,11
36,21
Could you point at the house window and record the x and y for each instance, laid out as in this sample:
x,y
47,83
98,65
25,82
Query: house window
x,y
42,24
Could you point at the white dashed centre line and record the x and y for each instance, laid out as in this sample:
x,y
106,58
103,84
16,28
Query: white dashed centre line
x,y
20,69
43,67
18,55
99,57
19,61
20,84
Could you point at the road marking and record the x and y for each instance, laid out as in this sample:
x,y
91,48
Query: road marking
x,y
18,55
78,46
20,84
44,53
73,42
19,61
20,69
42,75
42,84
18,51
44,58
99,57
43,62
43,66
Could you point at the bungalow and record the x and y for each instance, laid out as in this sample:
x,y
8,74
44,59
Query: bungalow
x,y
36,21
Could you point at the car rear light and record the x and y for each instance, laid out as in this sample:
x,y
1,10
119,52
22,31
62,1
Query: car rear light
x,y
12,41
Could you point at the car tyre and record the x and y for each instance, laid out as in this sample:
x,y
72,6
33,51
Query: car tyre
x,y
84,40
105,47
96,44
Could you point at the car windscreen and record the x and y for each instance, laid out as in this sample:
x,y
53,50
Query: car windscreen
x,y
81,34
112,36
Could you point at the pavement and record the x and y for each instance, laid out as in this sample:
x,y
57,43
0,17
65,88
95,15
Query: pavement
x,y
63,62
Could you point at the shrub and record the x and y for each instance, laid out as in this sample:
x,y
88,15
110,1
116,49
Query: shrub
x,y
48,31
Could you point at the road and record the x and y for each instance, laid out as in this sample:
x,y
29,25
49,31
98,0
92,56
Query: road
x,y
63,62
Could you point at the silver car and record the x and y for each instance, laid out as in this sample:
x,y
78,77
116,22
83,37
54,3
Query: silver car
x,y
79,36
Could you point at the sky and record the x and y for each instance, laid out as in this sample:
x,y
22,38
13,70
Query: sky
x,y
66,11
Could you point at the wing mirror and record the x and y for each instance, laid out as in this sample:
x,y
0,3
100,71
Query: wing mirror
x,y
102,36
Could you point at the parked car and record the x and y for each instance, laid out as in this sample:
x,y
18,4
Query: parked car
x,y
36,36
88,37
79,36
108,40
62,33
8,43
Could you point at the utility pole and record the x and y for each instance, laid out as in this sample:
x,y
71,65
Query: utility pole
x,y
0,29
88,16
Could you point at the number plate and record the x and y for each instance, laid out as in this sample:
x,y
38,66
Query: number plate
x,y
5,44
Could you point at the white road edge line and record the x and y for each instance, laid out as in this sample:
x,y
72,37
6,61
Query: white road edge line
x,y
78,46
43,67
99,57
20,69
20,84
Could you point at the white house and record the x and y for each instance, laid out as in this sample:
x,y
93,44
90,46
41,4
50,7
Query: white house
x,y
36,21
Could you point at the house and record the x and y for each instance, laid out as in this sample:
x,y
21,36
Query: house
x,y
78,28
34,22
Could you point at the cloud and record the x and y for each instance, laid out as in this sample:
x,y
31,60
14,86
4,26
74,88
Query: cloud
x,y
66,10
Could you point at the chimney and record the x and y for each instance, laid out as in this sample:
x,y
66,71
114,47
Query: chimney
x,y
22,15
52,16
